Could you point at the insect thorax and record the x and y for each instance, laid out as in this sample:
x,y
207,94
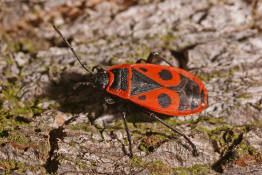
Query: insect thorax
x,y
101,79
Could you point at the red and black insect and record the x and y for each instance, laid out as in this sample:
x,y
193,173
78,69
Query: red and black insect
x,y
159,89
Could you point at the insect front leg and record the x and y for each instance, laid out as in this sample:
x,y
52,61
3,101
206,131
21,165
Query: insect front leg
x,y
110,100
128,135
195,152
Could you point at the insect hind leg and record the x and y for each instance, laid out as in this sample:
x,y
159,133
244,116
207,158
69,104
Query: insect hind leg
x,y
154,56
195,152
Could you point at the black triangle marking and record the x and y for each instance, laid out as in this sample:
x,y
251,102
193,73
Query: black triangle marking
x,y
140,83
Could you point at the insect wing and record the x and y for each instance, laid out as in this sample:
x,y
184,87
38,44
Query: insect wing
x,y
167,90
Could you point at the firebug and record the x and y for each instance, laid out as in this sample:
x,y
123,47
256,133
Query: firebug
x,y
159,89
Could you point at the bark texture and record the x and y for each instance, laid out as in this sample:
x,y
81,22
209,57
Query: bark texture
x,y
52,122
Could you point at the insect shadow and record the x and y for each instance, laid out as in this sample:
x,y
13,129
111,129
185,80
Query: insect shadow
x,y
74,95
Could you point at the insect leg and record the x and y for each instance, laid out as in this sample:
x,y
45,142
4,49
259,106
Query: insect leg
x,y
97,68
195,153
79,84
110,100
128,134
140,60
156,55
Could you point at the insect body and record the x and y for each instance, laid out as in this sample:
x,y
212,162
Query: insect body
x,y
162,89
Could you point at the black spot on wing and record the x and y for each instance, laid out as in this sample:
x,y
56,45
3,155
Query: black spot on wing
x,y
141,83
142,97
120,79
165,74
143,69
164,100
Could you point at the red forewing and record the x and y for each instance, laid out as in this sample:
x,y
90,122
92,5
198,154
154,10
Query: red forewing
x,y
167,90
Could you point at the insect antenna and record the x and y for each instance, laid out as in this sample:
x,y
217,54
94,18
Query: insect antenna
x,y
71,48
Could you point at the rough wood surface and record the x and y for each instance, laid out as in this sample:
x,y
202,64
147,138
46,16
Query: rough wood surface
x,y
51,122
